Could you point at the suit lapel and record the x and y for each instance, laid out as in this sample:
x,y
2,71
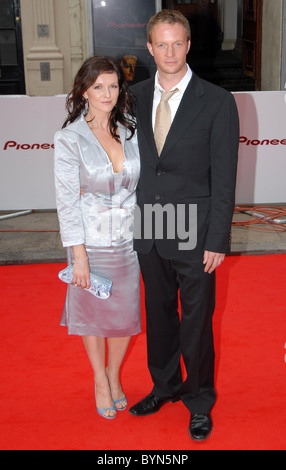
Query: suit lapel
x,y
145,102
191,105
81,127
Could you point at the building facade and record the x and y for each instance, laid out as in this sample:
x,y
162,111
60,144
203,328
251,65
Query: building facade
x,y
54,37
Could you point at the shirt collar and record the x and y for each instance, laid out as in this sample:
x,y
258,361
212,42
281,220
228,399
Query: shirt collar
x,y
181,86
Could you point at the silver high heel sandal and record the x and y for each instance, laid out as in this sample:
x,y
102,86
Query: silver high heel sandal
x,y
124,400
102,411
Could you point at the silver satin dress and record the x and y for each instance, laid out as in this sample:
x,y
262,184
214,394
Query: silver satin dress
x,y
102,219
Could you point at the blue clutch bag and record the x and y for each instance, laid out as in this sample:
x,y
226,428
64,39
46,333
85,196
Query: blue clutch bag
x,y
100,287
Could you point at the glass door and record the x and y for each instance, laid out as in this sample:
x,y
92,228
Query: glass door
x,y
119,30
11,49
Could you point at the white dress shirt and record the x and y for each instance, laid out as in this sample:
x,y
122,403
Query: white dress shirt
x,y
175,101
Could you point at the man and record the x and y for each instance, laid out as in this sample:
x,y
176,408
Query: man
x,y
195,168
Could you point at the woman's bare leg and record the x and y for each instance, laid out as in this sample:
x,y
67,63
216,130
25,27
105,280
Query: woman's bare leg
x,y
95,348
117,348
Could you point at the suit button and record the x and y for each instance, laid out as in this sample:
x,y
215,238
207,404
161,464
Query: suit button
x,y
157,198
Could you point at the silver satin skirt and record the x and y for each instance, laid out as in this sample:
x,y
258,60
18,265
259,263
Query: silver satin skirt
x,y
120,315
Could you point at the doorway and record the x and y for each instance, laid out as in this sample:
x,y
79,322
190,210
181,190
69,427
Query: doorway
x,y
226,40
12,81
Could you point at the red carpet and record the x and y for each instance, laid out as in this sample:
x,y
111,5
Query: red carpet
x,y
46,390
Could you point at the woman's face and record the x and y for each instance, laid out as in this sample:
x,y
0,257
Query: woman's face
x,y
103,95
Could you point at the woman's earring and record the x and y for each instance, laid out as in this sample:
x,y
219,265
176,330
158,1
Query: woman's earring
x,y
86,106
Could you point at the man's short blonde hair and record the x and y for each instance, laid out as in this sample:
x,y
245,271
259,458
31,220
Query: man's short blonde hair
x,y
170,17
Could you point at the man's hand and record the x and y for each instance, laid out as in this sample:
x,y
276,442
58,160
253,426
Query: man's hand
x,y
212,261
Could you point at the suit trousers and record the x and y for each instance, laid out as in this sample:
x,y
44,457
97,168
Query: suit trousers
x,y
171,336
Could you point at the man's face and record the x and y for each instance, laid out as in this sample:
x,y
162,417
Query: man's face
x,y
169,47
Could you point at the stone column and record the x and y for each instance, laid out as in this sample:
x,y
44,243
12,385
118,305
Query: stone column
x,y
229,25
44,61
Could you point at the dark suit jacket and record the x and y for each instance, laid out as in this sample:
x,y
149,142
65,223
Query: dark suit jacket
x,y
198,166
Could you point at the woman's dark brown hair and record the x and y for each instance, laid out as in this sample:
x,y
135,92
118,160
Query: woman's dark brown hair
x,y
85,78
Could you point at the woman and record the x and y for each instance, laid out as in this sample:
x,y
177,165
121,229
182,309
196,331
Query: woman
x,y
96,173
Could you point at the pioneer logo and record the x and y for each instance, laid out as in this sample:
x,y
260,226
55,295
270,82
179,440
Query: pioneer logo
x,y
256,142
11,144
112,24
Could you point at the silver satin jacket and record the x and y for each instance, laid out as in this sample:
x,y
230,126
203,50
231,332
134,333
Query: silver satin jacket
x,y
104,214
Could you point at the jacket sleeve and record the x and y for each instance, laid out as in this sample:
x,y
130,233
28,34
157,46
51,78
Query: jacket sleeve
x,y
224,156
67,184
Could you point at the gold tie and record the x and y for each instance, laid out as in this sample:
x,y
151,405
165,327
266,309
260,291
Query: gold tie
x,y
163,119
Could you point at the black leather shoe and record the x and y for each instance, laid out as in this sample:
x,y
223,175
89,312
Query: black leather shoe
x,y
148,405
201,426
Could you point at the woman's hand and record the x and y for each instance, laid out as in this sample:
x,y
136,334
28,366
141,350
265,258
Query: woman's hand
x,y
81,271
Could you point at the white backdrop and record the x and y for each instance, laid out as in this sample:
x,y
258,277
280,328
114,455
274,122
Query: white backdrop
x,y
27,127
262,154
26,171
